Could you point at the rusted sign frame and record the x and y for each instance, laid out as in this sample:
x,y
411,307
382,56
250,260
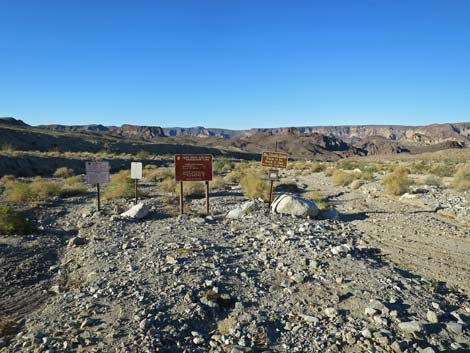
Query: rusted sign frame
x,y
100,170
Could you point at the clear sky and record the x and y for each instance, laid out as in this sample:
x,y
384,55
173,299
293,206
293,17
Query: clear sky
x,y
235,63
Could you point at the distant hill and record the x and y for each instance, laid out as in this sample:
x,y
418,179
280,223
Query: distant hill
x,y
303,142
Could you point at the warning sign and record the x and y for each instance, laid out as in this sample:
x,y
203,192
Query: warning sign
x,y
97,172
193,167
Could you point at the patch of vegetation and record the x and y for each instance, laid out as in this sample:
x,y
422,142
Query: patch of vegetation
x,y
462,178
443,170
254,186
158,174
222,164
13,222
121,186
218,183
194,189
317,167
397,182
342,178
168,185
143,154
63,172
315,196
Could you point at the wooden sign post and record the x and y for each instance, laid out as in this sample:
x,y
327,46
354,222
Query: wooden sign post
x,y
193,167
274,160
97,173
136,174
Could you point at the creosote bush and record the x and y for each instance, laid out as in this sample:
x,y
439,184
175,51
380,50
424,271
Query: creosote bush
x,y
254,186
168,185
42,190
462,178
120,186
342,178
397,182
13,222
63,172
222,164
158,174
192,189
217,183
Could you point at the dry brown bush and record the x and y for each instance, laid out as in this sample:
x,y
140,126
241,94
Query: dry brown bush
x,y
462,178
397,182
63,172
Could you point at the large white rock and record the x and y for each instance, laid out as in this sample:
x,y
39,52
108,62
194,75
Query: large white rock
x,y
241,210
136,212
295,206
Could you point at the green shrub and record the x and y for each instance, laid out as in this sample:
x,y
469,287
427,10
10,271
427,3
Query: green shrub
x,y
18,192
222,164
13,222
143,154
316,167
63,172
342,178
397,182
44,190
120,186
254,186
158,174
462,178
192,189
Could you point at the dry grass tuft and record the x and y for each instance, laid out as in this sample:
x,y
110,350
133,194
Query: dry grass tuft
x,y
462,178
63,172
315,196
121,186
254,186
397,182
13,222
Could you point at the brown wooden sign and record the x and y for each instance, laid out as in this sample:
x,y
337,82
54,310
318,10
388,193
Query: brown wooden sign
x,y
274,159
193,167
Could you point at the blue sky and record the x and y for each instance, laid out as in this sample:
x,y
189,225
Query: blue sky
x,y
235,63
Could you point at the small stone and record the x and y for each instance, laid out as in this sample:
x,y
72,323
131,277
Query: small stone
x,y
370,311
171,260
331,312
411,327
240,349
76,241
198,340
86,322
366,333
431,316
56,289
454,327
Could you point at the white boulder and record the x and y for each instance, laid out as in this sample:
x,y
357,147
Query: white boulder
x,y
241,210
136,212
295,206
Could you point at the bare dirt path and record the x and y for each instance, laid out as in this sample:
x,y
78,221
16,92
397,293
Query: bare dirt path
x,y
415,239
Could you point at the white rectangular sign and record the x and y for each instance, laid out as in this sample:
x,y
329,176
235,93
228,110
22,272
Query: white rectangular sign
x,y
136,170
97,172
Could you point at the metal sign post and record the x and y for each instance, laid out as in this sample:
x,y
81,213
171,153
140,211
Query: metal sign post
x,y
274,160
97,173
193,167
136,174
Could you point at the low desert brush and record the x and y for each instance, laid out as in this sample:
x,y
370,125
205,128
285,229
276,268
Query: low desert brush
x,y
120,186
254,186
13,222
158,174
462,178
397,182
168,185
217,183
342,178
63,172
315,196
192,189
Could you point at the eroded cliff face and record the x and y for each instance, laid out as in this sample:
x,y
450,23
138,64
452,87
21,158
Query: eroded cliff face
x,y
139,132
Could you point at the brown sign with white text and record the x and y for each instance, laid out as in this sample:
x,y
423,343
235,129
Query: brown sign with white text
x,y
193,167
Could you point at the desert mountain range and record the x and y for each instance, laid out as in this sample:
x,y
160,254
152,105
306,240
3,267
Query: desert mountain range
x,y
302,142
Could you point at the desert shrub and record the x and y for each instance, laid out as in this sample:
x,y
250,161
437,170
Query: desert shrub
x,y
6,147
168,185
13,222
73,186
316,167
342,178
443,170
233,177
7,179
222,164
143,154
158,174
18,192
254,186
420,167
462,178
432,180
63,172
315,196
218,183
120,186
397,182
329,171
192,189
44,190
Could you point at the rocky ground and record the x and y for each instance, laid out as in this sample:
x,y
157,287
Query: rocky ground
x,y
384,277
